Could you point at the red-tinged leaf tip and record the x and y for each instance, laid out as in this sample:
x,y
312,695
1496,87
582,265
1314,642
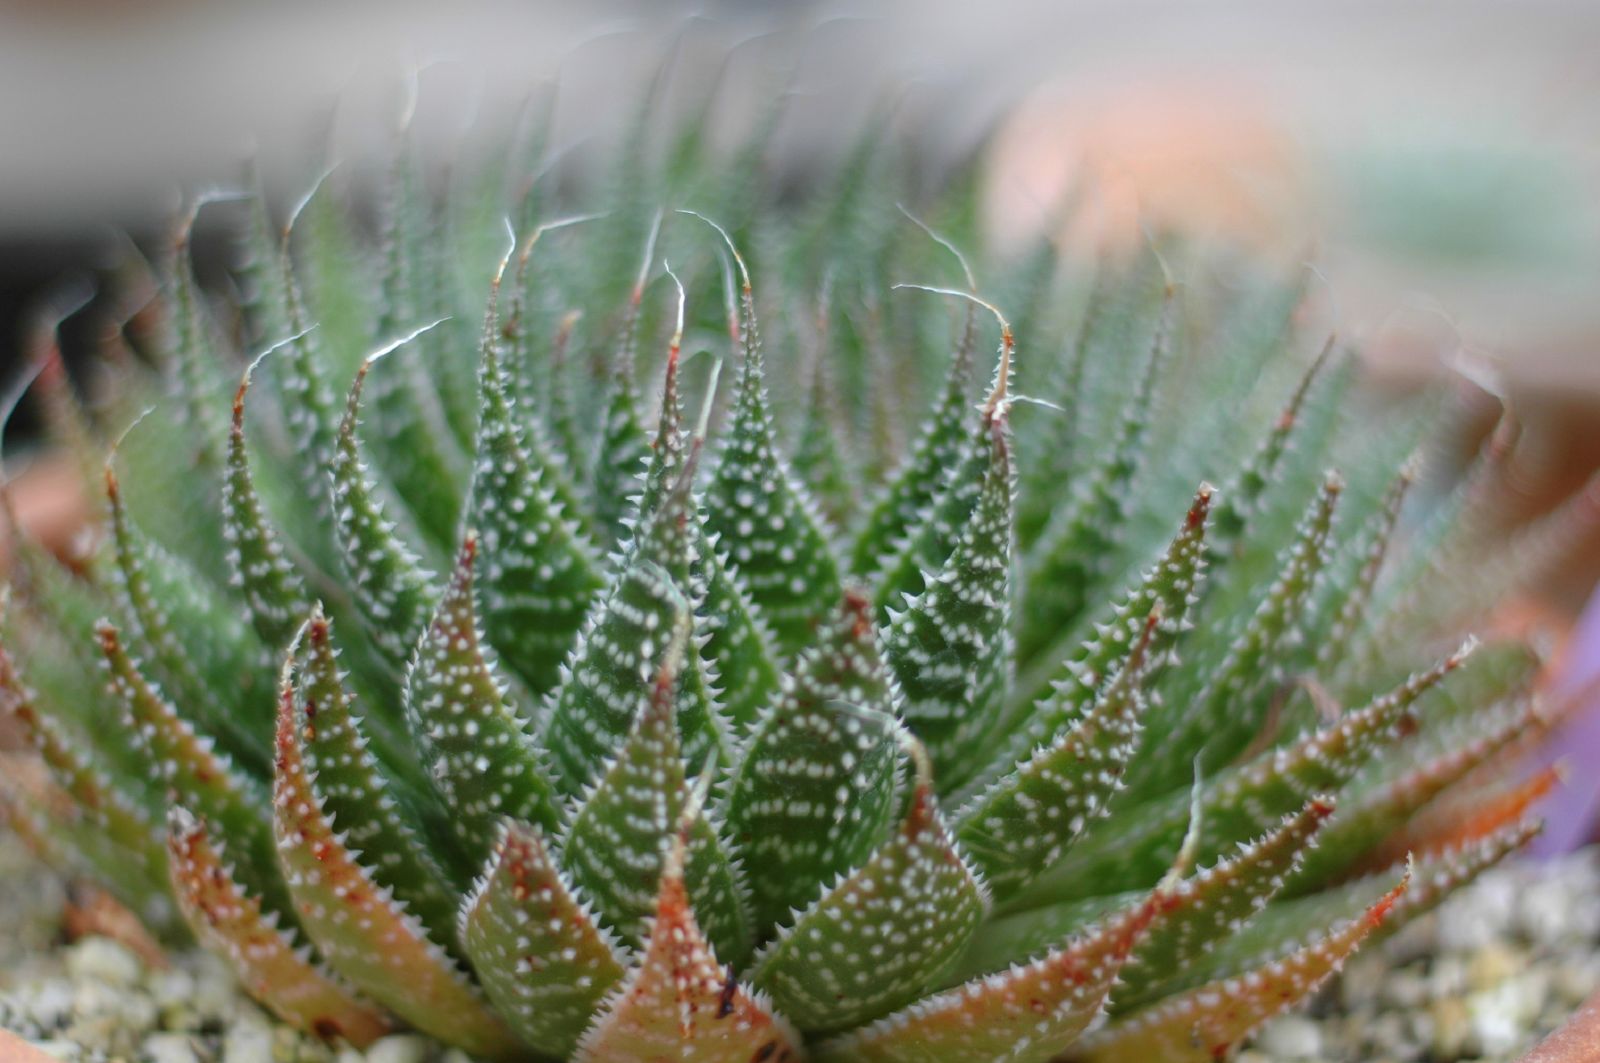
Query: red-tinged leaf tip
x,y
679,1003
1200,508
536,946
1463,823
1291,411
364,933
1203,1025
1030,1012
265,959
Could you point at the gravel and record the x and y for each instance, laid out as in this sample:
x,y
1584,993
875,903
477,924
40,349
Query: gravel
x,y
1483,978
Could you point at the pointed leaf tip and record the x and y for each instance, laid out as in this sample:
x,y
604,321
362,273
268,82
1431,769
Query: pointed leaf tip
x,y
265,958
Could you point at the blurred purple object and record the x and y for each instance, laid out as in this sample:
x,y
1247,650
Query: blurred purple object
x,y
1573,810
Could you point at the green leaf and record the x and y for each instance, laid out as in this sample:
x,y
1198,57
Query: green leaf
x,y
1378,813
274,594
1078,547
950,648
1029,1013
678,1001
817,459
1285,924
192,351
737,643
477,745
1217,901
905,500
1244,801
391,587
1203,1024
541,577
230,922
608,680
623,826
117,806
196,645
413,440
355,790
1068,677
814,791
880,936
363,932
1243,498
1219,721
1023,822
622,448
536,946
194,774
761,515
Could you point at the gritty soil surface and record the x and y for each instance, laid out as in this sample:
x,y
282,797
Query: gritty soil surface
x,y
1483,978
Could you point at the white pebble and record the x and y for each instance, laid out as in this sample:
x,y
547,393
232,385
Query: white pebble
x,y
103,960
248,1042
169,1048
1291,1037
398,1048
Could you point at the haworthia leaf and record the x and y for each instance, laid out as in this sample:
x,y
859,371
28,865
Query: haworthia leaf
x,y
875,940
476,743
1462,817
1069,675
192,352
1217,901
392,588
1378,813
679,1003
1246,800
51,824
1203,1024
762,517
197,646
354,789
1349,601
536,946
274,592
737,643
413,441
950,648
1077,549
1285,925
928,544
310,412
622,828
1229,710
265,959
609,678
1023,822
1029,1013
262,296
115,806
194,774
814,791
622,448
540,576
817,460
1243,497
362,931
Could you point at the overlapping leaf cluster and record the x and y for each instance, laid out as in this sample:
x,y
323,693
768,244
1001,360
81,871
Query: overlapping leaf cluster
x,y
483,667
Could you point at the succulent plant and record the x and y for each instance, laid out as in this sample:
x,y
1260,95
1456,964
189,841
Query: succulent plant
x,y
549,698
